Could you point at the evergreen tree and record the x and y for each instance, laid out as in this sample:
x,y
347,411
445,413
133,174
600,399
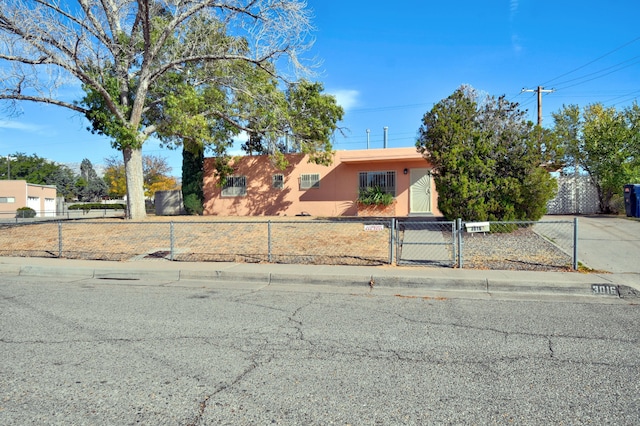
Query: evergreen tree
x,y
91,187
487,160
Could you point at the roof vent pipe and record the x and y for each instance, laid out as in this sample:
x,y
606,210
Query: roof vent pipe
x,y
368,132
386,131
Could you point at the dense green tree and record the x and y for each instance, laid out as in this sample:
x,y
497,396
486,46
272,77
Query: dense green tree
x,y
31,168
604,143
64,180
193,180
90,187
487,159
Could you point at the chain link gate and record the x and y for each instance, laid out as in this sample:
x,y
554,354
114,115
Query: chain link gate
x,y
423,242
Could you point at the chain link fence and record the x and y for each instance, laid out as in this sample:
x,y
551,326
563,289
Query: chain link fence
x,y
542,245
537,246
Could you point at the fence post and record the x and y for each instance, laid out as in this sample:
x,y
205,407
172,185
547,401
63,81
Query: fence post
x,y
460,243
172,240
575,243
59,239
392,229
269,241
454,242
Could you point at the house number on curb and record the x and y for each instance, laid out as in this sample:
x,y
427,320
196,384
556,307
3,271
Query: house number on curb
x,y
609,290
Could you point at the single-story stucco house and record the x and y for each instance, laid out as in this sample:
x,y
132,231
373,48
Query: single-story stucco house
x,y
258,188
18,193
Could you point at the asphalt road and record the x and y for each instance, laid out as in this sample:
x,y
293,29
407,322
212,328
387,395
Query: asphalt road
x,y
105,352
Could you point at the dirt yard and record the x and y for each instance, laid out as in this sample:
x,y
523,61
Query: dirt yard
x,y
292,240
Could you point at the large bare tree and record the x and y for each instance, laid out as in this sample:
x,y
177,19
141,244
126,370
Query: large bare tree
x,y
118,49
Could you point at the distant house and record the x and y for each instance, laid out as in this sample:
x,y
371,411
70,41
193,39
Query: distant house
x,y
18,193
257,188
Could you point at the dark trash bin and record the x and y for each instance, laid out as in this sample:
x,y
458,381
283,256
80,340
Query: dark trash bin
x,y
632,200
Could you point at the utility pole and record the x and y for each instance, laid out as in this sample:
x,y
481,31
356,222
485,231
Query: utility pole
x,y
540,90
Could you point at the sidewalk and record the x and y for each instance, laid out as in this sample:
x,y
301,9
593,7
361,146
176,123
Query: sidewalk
x,y
426,278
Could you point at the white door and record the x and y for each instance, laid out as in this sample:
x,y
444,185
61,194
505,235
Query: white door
x,y
50,207
420,191
34,203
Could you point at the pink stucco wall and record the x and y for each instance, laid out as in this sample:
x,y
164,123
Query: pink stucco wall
x,y
336,195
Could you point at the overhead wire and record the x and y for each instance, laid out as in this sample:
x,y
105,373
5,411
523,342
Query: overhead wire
x,y
592,61
598,72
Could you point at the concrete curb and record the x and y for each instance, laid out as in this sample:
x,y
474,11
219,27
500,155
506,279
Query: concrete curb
x,y
136,274
247,277
579,285
431,283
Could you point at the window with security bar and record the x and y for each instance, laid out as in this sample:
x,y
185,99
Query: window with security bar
x,y
278,181
309,180
235,186
385,180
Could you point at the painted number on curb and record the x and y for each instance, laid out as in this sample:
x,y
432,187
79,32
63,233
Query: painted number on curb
x,y
608,290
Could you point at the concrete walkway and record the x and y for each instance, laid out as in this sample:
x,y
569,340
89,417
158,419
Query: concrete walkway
x,y
610,243
424,243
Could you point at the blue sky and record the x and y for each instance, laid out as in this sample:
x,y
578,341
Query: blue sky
x,y
388,65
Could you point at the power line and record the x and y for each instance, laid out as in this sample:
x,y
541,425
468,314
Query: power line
x,y
598,72
591,62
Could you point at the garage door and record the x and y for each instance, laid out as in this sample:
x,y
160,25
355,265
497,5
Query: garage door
x,y
34,203
50,207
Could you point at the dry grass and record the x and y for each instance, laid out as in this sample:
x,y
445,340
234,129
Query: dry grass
x,y
293,240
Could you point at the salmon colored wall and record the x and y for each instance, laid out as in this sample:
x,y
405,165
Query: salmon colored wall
x,y
338,184
16,189
20,190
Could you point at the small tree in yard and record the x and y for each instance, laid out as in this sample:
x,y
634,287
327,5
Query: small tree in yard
x,y
603,142
487,159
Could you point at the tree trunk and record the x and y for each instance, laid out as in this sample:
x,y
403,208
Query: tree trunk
x,y
135,183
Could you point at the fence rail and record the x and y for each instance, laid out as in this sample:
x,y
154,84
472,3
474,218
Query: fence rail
x,y
542,245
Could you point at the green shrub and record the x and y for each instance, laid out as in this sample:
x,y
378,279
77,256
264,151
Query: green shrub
x,y
374,195
97,206
616,205
193,204
25,212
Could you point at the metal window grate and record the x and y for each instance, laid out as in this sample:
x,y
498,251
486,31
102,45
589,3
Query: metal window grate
x,y
235,186
278,181
309,180
385,180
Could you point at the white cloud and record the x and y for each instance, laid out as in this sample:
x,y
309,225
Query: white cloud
x,y
346,98
515,43
513,8
26,127
515,40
